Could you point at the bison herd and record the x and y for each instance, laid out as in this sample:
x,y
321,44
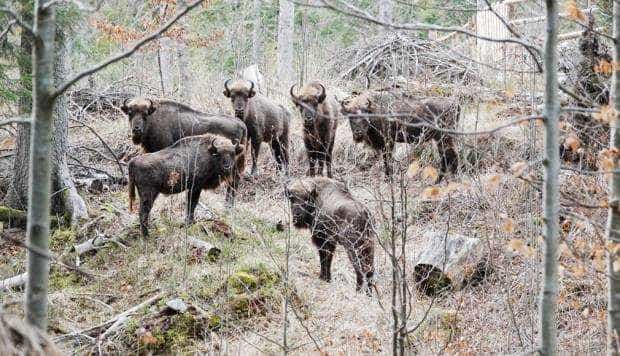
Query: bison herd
x,y
188,150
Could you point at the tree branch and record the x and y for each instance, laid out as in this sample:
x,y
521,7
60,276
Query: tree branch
x,y
8,28
127,53
15,17
25,120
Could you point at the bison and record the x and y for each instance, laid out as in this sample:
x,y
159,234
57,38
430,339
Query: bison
x,y
334,216
320,116
266,121
191,164
157,124
380,119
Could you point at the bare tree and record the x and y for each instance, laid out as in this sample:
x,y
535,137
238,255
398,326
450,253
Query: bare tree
x,y
386,11
551,203
286,23
256,32
613,225
184,63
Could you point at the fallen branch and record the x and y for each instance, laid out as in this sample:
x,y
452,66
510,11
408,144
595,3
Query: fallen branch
x,y
120,320
94,244
13,282
15,120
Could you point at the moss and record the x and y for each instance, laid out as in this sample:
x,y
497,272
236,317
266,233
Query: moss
x,y
132,326
177,332
214,322
241,281
62,237
19,218
60,281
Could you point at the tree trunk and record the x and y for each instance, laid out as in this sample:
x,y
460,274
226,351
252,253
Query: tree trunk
x,y
185,77
17,194
613,225
65,198
549,292
386,11
286,23
166,50
39,182
256,33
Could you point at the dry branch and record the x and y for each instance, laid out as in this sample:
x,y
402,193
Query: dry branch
x,y
118,321
15,281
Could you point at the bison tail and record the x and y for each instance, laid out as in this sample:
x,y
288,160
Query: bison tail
x,y
132,190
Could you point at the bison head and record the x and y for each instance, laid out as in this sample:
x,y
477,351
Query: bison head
x,y
225,154
356,109
302,196
138,110
239,93
308,101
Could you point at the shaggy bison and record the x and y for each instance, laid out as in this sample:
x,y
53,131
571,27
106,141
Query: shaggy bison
x,y
266,121
320,115
157,124
382,118
193,163
333,216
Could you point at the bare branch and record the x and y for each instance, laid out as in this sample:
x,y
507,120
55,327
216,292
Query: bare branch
x,y
18,20
127,53
8,29
25,120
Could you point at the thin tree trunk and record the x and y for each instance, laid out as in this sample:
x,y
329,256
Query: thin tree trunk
x,y
166,45
185,77
386,11
549,292
17,194
613,226
39,182
256,32
286,23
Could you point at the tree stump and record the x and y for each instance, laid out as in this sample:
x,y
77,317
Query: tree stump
x,y
447,262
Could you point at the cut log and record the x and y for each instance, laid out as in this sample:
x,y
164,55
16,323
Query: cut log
x,y
211,251
14,282
447,262
94,243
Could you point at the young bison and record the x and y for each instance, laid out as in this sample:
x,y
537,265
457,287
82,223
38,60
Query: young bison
x,y
320,115
157,124
265,120
193,163
400,119
333,216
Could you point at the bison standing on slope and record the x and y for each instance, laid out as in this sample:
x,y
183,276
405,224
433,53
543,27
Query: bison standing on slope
x,y
266,121
380,119
192,164
333,216
157,124
320,115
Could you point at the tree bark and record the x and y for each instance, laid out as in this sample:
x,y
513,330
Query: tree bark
x,y
17,194
286,23
613,225
166,45
185,77
39,172
549,292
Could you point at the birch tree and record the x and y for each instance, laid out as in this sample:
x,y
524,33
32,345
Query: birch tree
x,y
286,23
386,11
256,32
549,292
613,226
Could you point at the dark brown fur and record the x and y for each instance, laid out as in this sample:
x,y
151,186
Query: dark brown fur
x,y
157,124
396,111
266,121
319,112
193,163
334,216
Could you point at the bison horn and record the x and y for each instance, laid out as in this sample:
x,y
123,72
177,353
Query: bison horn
x,y
252,92
212,148
292,92
125,101
227,91
322,95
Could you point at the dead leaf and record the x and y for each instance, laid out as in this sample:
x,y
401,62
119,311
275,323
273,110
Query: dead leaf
x,y
431,193
413,169
430,173
493,181
7,144
607,114
572,143
147,339
574,12
518,168
508,225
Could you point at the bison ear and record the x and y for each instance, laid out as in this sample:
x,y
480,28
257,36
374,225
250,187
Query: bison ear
x,y
125,109
151,108
238,148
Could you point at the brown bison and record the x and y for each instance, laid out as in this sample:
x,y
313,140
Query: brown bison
x,y
191,164
382,118
266,121
157,124
333,216
320,115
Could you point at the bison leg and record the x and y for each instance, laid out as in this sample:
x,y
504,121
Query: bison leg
x,y
321,162
255,151
387,162
449,157
278,153
193,196
328,160
326,253
362,259
311,163
147,198
231,189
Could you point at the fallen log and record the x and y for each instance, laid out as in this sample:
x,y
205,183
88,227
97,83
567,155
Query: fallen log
x,y
94,243
13,282
447,262
19,218
211,251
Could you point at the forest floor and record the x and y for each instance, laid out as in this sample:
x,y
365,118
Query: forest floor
x,y
237,300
